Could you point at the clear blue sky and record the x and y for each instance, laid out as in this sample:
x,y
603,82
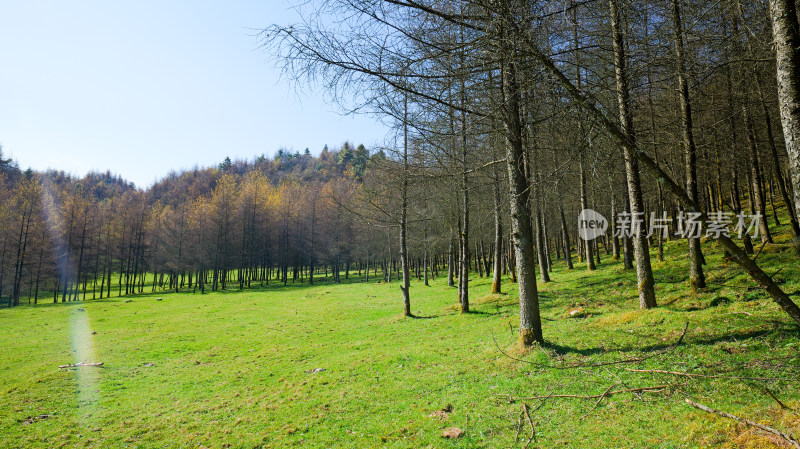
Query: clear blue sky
x,y
144,87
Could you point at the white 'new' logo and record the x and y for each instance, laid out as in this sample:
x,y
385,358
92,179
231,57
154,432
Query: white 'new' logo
x,y
591,224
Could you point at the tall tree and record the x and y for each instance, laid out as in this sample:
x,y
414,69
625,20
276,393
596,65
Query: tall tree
x,y
697,279
521,229
644,271
786,35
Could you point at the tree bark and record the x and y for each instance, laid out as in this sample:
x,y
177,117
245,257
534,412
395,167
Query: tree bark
x,y
786,34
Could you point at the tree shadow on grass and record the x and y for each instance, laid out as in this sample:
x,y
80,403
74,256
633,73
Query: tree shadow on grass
x,y
670,302
423,317
77,303
564,350
483,313
781,328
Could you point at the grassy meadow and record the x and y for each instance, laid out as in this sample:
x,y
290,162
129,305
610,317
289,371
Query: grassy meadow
x,y
237,369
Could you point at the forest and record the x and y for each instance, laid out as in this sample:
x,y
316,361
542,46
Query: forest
x,y
280,219
509,118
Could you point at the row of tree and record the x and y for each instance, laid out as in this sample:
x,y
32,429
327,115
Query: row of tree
x,y
283,220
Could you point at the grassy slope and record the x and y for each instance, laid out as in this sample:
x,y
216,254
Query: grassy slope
x,y
228,368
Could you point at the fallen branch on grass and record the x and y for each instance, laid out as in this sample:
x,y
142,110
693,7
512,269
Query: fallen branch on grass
x,y
772,395
606,393
600,399
519,429
530,423
75,365
707,376
526,412
771,430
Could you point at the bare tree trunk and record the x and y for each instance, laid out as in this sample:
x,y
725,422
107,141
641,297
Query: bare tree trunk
x,y
22,244
498,235
39,272
450,261
512,260
587,244
521,231
425,254
786,35
654,141
627,246
312,262
758,199
541,246
697,278
565,232
463,274
644,272
404,215
80,257
615,243
787,200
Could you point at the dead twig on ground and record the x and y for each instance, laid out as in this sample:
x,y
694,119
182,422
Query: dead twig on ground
x,y
530,423
706,376
788,438
759,251
780,404
605,393
654,389
519,429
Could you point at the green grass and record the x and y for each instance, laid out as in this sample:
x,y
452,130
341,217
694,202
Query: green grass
x,y
229,368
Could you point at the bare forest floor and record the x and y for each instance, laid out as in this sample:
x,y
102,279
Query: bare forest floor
x,y
236,369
